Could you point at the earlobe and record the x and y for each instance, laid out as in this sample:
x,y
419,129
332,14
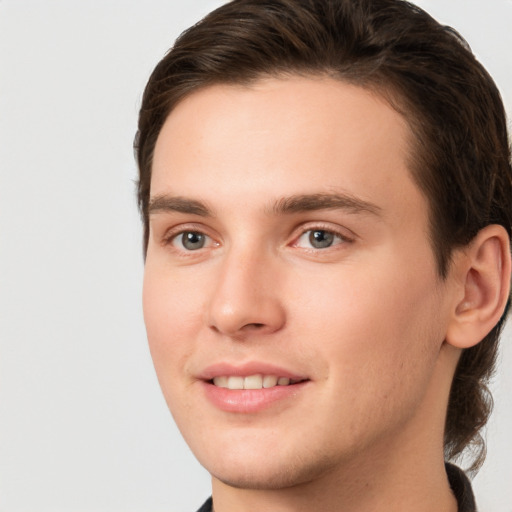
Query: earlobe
x,y
485,286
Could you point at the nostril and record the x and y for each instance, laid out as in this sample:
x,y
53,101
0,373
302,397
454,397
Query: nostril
x,y
253,326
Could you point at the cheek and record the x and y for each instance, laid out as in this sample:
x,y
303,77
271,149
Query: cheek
x,y
172,319
171,302
376,324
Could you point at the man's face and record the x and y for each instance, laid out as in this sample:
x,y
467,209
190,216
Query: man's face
x,y
288,241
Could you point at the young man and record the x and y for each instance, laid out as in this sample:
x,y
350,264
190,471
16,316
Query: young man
x,y
326,194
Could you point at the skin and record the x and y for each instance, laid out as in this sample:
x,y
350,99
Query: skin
x,y
365,319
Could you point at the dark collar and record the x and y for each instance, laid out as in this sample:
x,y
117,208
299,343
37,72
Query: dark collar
x,y
207,506
461,487
459,483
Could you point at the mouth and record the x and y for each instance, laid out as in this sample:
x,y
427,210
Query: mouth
x,y
257,381
251,387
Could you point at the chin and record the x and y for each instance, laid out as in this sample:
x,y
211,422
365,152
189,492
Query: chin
x,y
280,471
261,478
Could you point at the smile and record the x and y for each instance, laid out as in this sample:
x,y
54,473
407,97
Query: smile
x,y
252,381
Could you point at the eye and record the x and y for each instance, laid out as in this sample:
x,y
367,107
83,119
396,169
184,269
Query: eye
x,y
319,239
190,240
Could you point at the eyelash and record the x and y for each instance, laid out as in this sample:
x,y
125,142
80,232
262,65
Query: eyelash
x,y
342,237
174,235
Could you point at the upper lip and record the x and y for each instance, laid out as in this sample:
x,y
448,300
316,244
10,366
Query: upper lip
x,y
246,369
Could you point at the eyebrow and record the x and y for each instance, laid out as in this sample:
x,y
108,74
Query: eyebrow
x,y
284,205
311,202
166,203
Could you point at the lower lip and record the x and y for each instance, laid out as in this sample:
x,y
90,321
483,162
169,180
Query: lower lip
x,y
250,400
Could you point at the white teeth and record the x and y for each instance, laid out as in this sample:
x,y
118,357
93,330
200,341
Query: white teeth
x,y
252,381
269,381
221,382
235,383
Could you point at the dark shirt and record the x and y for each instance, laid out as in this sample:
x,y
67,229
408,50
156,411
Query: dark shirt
x,y
459,482
207,507
461,487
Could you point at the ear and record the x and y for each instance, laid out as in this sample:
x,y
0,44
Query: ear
x,y
483,278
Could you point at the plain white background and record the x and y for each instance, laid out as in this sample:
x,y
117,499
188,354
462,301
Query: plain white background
x,y
83,426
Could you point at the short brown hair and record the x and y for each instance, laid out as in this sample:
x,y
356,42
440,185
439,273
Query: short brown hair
x,y
461,154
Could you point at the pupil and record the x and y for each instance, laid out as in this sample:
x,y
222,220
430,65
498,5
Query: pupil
x,y
193,241
320,239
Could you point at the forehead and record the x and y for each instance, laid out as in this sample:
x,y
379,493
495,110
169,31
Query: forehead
x,y
295,134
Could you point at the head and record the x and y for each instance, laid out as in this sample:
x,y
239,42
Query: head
x,y
458,152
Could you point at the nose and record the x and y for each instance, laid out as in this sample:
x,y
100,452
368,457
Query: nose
x,y
246,299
